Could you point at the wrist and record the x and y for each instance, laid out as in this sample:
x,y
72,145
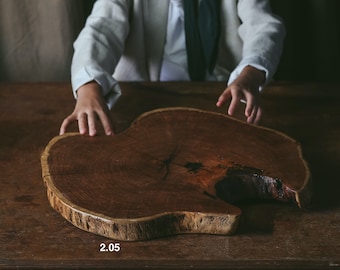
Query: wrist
x,y
90,88
254,75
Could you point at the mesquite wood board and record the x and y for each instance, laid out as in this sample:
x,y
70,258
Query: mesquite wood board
x,y
174,171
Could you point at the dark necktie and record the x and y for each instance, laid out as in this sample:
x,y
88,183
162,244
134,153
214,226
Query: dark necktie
x,y
202,30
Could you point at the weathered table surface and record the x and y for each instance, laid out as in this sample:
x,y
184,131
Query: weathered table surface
x,y
271,235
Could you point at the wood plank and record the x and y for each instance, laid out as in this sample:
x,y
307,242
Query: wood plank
x,y
174,171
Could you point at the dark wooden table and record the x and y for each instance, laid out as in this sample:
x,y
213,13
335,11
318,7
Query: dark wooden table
x,y
271,235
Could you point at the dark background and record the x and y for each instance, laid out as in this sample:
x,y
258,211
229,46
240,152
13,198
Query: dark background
x,y
312,44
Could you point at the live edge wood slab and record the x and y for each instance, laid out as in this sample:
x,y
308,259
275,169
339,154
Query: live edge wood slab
x,y
174,171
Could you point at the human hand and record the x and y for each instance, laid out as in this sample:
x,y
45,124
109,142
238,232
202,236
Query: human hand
x,y
89,108
245,89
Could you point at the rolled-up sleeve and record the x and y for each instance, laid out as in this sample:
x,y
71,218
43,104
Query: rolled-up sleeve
x,y
99,47
262,34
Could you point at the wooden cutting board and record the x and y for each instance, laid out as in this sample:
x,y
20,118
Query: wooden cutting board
x,y
174,171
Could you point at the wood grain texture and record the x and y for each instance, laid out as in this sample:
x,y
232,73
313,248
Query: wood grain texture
x,y
163,175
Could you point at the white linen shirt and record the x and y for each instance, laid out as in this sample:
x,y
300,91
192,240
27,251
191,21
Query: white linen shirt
x,y
173,65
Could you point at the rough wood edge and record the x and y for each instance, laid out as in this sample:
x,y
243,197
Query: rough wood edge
x,y
133,229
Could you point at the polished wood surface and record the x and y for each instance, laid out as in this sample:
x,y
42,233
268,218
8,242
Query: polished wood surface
x,y
171,172
271,235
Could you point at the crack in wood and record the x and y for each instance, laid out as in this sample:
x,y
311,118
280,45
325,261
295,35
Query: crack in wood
x,y
168,161
193,167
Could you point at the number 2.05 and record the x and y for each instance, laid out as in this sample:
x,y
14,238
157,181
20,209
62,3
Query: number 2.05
x,y
111,247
